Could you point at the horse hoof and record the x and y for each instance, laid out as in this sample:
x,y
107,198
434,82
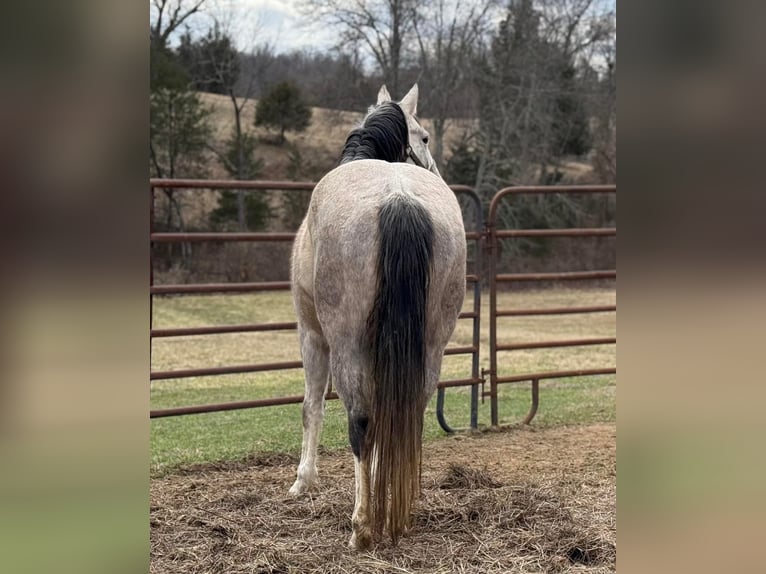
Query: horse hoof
x,y
360,540
298,488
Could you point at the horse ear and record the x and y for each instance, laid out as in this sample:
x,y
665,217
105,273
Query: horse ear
x,y
409,102
383,95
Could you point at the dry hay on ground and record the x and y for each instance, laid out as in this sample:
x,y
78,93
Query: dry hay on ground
x,y
520,500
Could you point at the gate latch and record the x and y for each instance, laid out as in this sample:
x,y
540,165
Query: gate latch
x,y
484,373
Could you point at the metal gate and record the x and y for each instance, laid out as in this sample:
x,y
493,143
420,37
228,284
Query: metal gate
x,y
483,242
494,235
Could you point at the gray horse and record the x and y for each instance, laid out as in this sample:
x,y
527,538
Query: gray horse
x,y
378,280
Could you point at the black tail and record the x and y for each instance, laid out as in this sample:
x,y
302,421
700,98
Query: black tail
x,y
396,331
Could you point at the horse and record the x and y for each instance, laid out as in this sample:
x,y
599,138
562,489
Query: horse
x,y
378,280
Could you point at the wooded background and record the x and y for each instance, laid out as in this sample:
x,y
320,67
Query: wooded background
x,y
520,92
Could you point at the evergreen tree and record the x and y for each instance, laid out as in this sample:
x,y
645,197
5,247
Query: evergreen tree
x,y
212,61
178,122
463,165
166,71
571,132
225,216
179,126
283,108
178,133
241,163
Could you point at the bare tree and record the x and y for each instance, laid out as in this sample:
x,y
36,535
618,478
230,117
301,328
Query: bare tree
x,y
534,107
533,96
603,102
578,26
382,26
217,67
605,130
585,32
448,33
168,16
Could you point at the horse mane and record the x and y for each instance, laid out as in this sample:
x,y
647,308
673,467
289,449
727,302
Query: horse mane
x,y
383,135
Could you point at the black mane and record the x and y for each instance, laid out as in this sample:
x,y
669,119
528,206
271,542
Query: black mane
x,y
383,135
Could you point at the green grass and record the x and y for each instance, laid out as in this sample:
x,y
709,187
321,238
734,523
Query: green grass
x,y
231,435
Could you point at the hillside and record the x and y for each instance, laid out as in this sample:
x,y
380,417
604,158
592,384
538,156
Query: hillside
x,y
320,145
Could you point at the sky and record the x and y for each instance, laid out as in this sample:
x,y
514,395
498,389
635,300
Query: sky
x,y
278,21
275,22
255,22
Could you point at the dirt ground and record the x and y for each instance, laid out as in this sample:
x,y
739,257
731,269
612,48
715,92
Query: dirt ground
x,y
516,500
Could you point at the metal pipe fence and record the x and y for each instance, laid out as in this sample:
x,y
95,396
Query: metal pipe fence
x,y
484,240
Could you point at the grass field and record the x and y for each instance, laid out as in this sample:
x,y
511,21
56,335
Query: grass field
x,y
178,441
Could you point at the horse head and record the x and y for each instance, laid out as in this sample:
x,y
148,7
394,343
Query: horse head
x,y
417,146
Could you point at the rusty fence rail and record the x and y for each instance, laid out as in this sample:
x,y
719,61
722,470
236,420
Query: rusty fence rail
x,y
494,235
472,278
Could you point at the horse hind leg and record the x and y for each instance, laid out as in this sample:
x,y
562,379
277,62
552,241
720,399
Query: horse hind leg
x,y
361,536
348,378
315,355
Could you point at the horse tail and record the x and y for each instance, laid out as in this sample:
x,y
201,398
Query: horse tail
x,y
396,336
